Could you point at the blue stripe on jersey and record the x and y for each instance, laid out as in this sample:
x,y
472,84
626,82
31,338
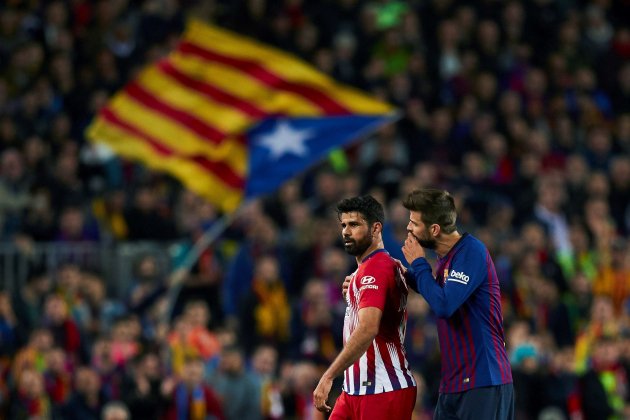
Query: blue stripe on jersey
x,y
357,376
408,378
497,319
371,371
389,366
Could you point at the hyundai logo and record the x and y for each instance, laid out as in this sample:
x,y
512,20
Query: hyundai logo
x,y
367,280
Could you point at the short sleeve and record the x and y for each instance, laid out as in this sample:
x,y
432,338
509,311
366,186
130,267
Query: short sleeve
x,y
374,285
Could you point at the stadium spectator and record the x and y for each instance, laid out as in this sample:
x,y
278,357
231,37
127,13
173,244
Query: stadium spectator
x,y
316,325
264,367
87,400
57,376
115,410
237,387
265,312
191,397
141,387
64,329
30,399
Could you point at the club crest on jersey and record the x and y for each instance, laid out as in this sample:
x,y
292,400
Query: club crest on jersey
x,y
458,276
367,280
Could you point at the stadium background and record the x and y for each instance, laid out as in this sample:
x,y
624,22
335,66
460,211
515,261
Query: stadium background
x,y
520,108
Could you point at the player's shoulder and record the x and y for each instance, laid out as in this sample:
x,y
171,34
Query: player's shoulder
x,y
472,244
383,260
380,263
470,249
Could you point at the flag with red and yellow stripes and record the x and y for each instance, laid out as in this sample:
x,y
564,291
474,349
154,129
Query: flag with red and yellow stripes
x,y
232,118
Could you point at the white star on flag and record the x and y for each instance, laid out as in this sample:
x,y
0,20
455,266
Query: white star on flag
x,y
285,139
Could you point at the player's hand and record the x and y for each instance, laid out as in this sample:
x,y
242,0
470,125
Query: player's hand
x,y
320,395
400,265
346,285
409,281
412,249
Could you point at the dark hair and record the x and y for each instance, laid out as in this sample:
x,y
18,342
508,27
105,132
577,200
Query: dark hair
x,y
366,205
436,207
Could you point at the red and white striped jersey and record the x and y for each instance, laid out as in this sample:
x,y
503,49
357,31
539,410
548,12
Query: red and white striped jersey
x,y
378,282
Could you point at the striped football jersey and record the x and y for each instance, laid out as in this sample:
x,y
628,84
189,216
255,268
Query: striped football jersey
x,y
378,282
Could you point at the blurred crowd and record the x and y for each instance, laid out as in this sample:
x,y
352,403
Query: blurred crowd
x,y
520,108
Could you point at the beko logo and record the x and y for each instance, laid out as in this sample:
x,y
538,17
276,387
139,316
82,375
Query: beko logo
x,y
367,280
458,276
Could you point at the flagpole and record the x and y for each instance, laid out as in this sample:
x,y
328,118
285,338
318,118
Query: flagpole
x,y
178,276
208,237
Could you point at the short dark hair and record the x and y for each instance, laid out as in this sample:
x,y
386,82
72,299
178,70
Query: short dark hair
x,y
436,206
366,205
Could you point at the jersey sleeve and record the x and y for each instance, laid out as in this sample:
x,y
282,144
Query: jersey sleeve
x,y
468,270
374,285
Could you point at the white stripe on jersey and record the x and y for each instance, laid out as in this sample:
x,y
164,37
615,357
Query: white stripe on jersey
x,y
394,355
350,385
383,384
363,372
413,380
402,330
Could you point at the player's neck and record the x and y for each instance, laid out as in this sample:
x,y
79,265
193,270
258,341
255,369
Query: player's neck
x,y
376,245
445,242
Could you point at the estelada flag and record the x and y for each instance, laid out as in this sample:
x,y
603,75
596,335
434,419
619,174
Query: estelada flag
x,y
232,118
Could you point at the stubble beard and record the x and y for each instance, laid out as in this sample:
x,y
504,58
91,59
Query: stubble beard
x,y
427,243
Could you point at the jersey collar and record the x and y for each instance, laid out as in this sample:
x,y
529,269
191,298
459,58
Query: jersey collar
x,y
455,246
370,255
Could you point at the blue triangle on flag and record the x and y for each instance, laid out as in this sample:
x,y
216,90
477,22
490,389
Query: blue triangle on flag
x,y
281,148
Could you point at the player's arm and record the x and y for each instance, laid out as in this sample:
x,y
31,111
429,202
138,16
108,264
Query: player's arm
x,y
357,344
445,300
435,295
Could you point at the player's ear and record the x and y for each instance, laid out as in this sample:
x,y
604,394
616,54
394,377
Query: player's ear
x,y
435,229
377,228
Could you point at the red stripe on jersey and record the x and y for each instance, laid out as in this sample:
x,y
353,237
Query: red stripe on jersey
x,y
448,364
491,315
453,352
459,377
471,347
505,364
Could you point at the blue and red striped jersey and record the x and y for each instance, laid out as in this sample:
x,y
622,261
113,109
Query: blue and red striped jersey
x,y
465,295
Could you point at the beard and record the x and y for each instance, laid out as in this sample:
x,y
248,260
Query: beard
x,y
356,248
427,242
